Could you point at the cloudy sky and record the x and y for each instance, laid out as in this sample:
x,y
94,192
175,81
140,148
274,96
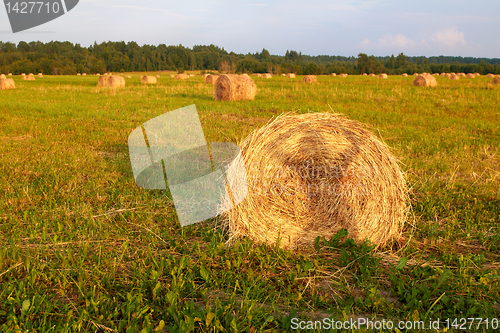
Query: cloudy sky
x,y
333,27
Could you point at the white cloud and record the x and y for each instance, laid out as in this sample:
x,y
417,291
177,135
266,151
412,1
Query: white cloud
x,y
399,41
451,38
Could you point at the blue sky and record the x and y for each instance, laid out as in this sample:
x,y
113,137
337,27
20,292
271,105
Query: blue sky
x,y
343,27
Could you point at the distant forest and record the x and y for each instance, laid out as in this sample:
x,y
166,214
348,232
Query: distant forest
x,y
58,58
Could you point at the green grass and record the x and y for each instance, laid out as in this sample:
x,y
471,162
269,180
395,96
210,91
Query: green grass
x,y
82,248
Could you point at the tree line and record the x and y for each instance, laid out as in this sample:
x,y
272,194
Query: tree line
x,y
66,58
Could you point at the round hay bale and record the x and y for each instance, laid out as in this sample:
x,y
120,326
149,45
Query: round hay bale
x,y
22,74
470,76
157,76
29,78
333,74
128,77
364,74
311,175
382,76
231,87
477,74
371,75
343,75
258,75
182,76
78,74
172,75
10,74
2,76
443,74
290,75
97,74
7,84
245,74
205,75
267,76
111,81
283,74
462,74
435,74
148,79
496,80
404,75
84,74
211,79
425,80
489,75
454,77
40,75
309,79
415,74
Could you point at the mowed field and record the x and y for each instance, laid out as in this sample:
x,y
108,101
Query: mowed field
x,y
82,248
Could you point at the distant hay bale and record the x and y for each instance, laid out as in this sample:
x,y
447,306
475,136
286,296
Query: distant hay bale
x,y
172,75
435,74
496,80
148,79
78,74
191,75
29,78
283,74
97,74
10,74
425,80
415,74
40,75
84,74
22,74
333,74
364,74
462,74
230,87
2,76
314,174
343,75
205,75
7,84
290,75
309,79
128,77
157,76
182,76
382,76
31,74
477,74
267,76
372,75
111,81
245,74
489,75
404,75
258,75
443,74
454,77
470,76
211,79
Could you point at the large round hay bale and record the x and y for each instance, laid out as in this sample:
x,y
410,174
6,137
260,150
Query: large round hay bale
x,y
454,76
404,75
311,175
182,76
470,76
364,74
425,80
84,74
111,81
7,84
477,74
333,74
489,75
78,74
415,74
211,79
258,75
343,75
230,87
372,75
382,76
496,80
29,78
290,75
2,76
309,79
462,74
267,76
443,74
148,79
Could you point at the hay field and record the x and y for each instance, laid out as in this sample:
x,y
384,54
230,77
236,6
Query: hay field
x,y
82,248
